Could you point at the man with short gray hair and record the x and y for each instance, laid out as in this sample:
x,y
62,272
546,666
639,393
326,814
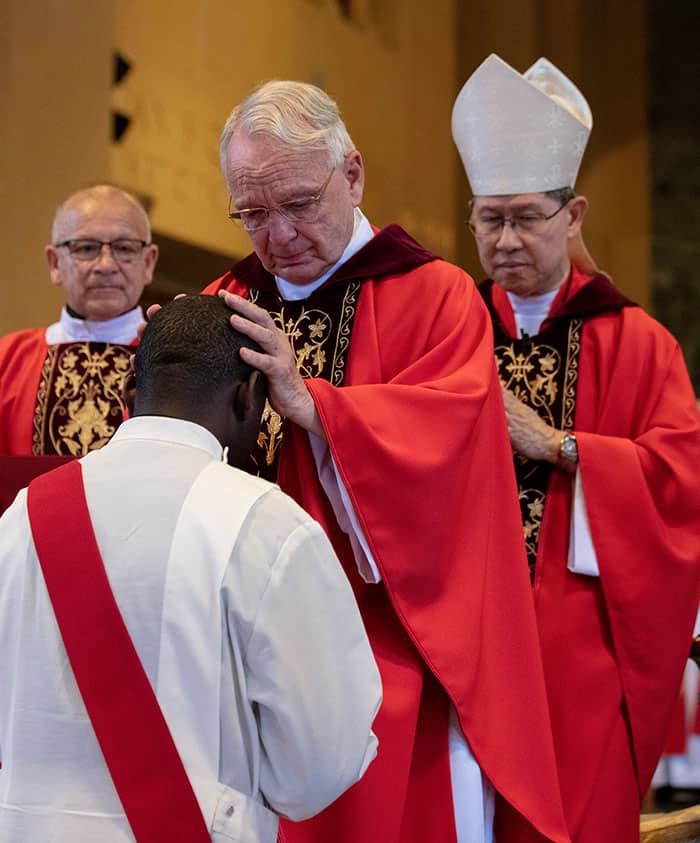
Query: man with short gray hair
x,y
385,422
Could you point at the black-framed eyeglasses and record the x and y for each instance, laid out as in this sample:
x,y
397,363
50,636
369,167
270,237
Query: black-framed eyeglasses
x,y
123,250
303,210
527,222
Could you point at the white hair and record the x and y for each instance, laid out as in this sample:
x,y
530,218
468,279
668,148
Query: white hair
x,y
295,113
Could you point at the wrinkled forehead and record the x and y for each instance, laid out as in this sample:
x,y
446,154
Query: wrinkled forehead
x,y
514,203
102,219
255,163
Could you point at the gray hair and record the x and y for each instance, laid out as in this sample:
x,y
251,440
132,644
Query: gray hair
x,y
98,192
295,113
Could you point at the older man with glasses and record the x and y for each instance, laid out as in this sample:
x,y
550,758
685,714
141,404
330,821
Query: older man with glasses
x,y
606,439
385,422
61,387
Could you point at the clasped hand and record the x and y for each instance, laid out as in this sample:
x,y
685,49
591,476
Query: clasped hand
x,y
529,434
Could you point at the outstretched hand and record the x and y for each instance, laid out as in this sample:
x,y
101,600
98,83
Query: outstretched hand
x,y
287,392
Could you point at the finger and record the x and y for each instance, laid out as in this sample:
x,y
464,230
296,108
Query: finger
x,y
154,308
246,308
266,364
265,337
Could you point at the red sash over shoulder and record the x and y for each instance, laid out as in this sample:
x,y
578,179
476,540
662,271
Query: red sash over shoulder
x,y
143,761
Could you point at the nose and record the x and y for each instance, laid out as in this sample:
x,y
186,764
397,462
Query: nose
x,y
105,259
279,228
509,237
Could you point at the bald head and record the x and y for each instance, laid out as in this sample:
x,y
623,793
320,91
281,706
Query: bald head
x,y
101,253
82,201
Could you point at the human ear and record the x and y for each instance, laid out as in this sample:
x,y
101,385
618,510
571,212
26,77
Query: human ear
x,y
149,260
577,208
246,397
354,172
52,260
130,393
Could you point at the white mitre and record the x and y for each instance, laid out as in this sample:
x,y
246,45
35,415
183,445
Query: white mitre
x,y
520,133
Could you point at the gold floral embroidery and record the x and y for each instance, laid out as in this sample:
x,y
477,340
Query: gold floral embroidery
x,y
310,333
270,434
80,399
571,373
532,510
535,374
531,375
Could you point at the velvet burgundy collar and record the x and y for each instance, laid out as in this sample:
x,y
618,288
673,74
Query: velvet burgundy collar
x,y
596,295
389,252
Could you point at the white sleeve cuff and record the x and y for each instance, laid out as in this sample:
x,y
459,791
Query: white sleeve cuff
x,y
582,556
339,499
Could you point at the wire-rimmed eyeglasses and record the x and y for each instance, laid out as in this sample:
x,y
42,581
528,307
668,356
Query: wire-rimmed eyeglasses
x,y
527,222
303,210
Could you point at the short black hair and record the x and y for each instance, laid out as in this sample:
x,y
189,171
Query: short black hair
x,y
189,349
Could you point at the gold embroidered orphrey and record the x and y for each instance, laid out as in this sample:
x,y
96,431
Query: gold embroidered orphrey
x,y
80,400
535,375
320,337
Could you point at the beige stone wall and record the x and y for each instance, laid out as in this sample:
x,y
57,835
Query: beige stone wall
x,y
54,102
212,54
395,68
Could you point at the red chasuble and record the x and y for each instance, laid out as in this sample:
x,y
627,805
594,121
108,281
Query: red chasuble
x,y
614,647
417,432
64,399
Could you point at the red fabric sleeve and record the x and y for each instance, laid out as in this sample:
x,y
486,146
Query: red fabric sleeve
x,y
22,355
639,472
418,434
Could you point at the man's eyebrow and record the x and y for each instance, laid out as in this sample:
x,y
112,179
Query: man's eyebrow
x,y
514,209
294,194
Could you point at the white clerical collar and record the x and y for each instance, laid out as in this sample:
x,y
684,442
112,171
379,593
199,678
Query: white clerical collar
x,y
121,329
531,311
362,233
168,429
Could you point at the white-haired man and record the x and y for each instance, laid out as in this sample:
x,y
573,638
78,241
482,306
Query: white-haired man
x,y
61,387
606,435
379,357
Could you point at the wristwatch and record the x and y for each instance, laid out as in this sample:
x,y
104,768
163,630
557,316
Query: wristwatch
x,y
568,449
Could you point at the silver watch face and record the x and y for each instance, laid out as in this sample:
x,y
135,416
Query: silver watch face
x,y
569,448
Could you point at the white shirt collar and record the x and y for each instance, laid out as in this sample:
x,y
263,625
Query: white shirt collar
x,y
167,429
121,329
531,311
362,233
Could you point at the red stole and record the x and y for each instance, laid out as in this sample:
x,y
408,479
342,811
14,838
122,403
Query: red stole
x,y
143,761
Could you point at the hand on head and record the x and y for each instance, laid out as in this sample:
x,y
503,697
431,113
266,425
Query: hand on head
x,y
288,394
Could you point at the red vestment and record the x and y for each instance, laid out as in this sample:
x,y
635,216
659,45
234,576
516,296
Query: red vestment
x,y
22,356
614,647
417,433
60,399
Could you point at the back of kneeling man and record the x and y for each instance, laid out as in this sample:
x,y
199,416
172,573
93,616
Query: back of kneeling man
x,y
239,613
